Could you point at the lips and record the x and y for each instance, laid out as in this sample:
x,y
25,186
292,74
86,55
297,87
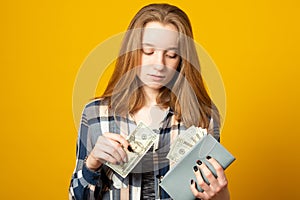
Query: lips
x,y
156,77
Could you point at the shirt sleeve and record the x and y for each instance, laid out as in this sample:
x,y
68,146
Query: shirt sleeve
x,y
214,129
84,182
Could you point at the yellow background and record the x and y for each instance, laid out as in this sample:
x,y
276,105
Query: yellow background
x,y
255,44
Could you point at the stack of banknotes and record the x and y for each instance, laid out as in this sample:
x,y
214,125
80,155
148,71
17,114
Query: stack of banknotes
x,y
184,142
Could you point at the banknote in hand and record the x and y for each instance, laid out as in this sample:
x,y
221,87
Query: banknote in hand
x,y
140,141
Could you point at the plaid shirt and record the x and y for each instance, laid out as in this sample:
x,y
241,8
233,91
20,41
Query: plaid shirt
x,y
104,183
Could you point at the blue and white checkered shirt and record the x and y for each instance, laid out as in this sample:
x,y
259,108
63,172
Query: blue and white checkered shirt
x,y
104,183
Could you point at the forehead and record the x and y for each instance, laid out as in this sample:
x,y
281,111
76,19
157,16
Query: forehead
x,y
159,35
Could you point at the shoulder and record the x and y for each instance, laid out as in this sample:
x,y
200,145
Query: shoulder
x,y
97,103
92,108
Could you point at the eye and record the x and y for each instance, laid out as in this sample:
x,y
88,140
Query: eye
x,y
148,51
171,54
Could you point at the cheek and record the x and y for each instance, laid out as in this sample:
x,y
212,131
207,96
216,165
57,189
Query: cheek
x,y
141,71
145,60
172,68
173,64
171,73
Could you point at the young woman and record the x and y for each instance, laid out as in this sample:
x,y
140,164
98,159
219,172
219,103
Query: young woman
x,y
157,81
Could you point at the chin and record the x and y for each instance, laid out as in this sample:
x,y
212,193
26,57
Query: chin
x,y
154,86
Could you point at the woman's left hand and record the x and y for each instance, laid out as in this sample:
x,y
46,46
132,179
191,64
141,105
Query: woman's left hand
x,y
217,188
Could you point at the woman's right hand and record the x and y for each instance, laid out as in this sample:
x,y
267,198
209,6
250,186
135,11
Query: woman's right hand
x,y
108,148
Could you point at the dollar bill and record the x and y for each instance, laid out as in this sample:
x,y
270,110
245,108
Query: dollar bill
x,y
186,136
201,132
140,141
184,142
192,135
179,149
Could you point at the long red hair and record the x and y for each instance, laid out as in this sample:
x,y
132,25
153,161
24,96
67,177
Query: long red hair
x,y
187,96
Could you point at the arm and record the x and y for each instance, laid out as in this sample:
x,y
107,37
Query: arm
x,y
88,178
83,179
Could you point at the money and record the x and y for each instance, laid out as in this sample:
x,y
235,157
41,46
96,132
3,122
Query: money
x,y
140,141
179,149
184,142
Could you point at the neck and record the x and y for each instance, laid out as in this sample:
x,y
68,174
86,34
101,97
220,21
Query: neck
x,y
150,96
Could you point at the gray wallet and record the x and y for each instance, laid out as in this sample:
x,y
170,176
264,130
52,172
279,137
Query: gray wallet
x,y
177,181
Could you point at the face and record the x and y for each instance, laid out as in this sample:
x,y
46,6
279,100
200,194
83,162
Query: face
x,y
160,57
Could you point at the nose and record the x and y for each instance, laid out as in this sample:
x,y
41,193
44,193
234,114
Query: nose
x,y
159,62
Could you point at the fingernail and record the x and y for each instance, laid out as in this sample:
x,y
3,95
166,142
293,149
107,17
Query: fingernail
x,y
130,149
195,168
208,157
192,181
199,162
125,159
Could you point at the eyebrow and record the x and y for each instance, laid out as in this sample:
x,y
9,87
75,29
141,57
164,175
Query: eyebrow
x,y
152,45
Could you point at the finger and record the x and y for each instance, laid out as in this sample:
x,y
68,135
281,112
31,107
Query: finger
x,y
200,179
115,141
207,191
195,191
219,170
115,150
118,138
110,147
105,157
119,148
105,150
213,182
